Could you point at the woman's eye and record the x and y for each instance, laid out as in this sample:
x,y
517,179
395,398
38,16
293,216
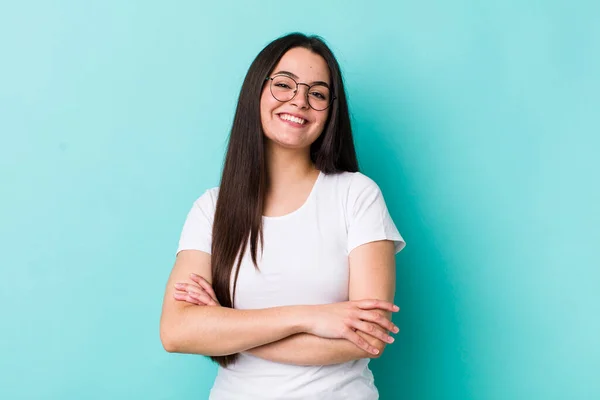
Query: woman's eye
x,y
283,85
318,95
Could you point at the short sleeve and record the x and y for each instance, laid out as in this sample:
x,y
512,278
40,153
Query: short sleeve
x,y
368,216
197,229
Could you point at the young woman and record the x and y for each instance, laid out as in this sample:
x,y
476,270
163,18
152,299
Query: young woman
x,y
285,273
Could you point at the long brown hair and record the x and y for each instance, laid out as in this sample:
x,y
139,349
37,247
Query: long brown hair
x,y
239,210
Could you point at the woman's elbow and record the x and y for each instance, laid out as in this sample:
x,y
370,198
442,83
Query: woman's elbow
x,y
380,346
172,333
169,340
174,339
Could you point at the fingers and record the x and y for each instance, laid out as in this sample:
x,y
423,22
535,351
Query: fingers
x,y
373,330
360,342
205,285
372,304
379,319
198,295
188,298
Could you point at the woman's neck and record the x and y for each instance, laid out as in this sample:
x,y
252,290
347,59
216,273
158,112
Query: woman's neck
x,y
287,169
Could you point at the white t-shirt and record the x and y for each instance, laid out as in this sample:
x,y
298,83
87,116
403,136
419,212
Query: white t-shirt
x,y
305,261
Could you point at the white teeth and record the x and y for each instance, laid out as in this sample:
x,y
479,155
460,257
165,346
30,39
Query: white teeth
x,y
288,117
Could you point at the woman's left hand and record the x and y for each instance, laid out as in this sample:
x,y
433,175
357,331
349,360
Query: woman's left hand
x,y
200,293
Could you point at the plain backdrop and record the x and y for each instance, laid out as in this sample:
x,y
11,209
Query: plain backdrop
x,y
478,119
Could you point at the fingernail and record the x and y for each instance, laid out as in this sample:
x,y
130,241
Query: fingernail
x,y
396,329
390,339
178,285
375,351
396,308
193,275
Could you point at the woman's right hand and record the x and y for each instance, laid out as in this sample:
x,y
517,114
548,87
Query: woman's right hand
x,y
343,320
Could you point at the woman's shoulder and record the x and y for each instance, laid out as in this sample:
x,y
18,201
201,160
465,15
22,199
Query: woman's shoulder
x,y
208,199
351,182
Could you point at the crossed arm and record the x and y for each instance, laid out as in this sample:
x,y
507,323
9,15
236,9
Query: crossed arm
x,y
372,276
277,334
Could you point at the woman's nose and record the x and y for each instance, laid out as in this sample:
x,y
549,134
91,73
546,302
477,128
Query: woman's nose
x,y
301,97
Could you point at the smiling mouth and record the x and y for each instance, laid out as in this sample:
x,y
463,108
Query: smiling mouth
x,y
291,118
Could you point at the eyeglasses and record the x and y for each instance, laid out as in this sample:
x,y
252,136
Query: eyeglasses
x,y
284,88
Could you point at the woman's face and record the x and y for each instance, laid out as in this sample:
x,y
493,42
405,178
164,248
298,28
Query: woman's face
x,y
277,117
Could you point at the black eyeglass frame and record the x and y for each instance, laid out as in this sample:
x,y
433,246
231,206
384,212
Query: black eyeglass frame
x,y
270,78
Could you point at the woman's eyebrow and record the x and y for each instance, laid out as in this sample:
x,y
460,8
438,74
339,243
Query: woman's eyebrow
x,y
292,75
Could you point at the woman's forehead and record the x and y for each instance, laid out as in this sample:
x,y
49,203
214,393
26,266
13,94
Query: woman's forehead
x,y
304,64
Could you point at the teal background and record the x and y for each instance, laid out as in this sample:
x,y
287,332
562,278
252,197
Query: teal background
x,y
479,121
